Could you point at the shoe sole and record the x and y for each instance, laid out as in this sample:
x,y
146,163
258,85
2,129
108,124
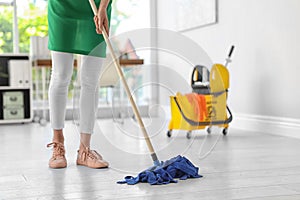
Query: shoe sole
x,y
57,167
100,167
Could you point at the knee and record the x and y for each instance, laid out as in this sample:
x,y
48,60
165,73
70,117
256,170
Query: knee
x,y
60,80
89,84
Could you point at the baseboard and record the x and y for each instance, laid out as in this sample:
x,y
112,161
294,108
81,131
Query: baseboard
x,y
280,126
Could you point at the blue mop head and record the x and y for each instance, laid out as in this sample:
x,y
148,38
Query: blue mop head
x,y
165,172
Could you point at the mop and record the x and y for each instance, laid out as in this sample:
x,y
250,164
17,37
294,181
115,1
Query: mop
x,y
162,172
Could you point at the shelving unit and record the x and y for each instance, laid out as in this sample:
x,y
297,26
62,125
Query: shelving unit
x,y
15,89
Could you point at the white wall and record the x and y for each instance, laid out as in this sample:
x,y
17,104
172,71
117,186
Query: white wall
x,y
265,73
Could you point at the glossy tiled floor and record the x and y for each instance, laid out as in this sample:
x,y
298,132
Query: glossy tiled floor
x,y
242,165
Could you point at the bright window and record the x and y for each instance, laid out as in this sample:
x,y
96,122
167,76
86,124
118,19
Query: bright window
x,y
6,28
31,21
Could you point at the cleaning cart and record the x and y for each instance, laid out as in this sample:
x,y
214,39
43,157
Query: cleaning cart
x,y
207,105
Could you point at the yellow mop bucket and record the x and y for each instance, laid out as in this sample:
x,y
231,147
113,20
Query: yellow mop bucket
x,y
186,114
197,111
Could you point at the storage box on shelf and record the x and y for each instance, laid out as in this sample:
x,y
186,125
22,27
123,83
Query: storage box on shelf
x,y
15,89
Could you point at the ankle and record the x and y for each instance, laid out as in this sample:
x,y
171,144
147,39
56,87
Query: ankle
x,y
83,147
58,136
85,141
62,141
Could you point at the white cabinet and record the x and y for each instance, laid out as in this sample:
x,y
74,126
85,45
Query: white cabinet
x,y
19,73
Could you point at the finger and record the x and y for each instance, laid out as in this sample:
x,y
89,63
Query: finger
x,y
96,20
100,21
105,25
96,23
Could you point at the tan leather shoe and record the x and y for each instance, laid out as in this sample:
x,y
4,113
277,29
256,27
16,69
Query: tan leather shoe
x,y
90,158
58,159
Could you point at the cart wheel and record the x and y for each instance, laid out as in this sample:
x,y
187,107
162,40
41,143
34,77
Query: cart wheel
x,y
36,119
169,133
225,131
188,134
208,130
43,122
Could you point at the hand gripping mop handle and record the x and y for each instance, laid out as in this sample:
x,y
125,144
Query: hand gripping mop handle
x,y
120,72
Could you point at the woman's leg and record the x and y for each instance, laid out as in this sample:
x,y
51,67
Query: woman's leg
x,y
85,137
90,72
62,68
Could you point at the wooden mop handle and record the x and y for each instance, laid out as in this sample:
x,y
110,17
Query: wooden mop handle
x,y
133,104
94,7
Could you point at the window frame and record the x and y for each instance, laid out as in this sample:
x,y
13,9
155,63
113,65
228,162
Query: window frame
x,y
15,31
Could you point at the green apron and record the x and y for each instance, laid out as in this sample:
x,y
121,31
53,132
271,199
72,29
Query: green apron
x,y
72,28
